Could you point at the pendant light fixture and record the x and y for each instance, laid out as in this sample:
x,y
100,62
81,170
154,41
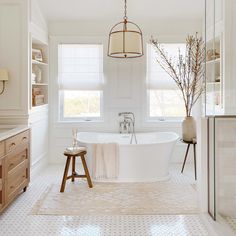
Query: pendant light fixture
x,y
125,39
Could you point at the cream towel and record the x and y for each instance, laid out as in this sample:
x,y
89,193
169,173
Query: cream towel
x,y
105,161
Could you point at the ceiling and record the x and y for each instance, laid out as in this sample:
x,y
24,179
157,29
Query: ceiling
x,y
89,10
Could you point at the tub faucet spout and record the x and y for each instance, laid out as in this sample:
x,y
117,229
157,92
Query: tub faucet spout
x,y
127,124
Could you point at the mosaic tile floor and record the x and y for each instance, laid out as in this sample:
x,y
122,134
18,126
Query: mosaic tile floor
x,y
17,221
231,222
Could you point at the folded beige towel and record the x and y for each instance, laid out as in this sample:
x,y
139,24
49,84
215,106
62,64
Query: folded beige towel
x,y
105,161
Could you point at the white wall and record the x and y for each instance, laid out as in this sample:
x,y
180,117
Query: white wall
x,y
19,19
14,57
125,88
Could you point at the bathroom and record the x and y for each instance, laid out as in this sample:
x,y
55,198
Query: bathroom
x,y
122,105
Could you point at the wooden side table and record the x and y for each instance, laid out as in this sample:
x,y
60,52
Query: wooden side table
x,y
194,142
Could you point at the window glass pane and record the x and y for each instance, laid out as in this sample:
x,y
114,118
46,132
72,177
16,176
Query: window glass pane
x,y
166,103
81,104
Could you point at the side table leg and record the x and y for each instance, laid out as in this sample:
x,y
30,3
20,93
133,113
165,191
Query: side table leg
x,y
73,169
195,162
185,158
63,184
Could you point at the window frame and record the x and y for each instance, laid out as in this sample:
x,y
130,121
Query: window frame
x,y
61,116
150,118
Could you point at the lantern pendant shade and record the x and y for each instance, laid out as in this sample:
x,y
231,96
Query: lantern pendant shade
x,y
125,44
125,40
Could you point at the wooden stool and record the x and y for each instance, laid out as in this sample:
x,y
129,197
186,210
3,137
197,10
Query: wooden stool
x,y
194,142
79,152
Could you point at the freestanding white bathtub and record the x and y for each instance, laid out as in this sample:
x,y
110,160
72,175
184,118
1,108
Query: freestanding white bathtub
x,y
143,162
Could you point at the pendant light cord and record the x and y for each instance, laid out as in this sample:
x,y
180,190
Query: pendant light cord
x,y
125,12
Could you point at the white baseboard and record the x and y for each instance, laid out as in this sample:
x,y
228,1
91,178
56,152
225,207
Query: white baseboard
x,y
38,166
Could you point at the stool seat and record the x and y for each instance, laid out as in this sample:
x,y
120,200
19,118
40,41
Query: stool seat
x,y
72,153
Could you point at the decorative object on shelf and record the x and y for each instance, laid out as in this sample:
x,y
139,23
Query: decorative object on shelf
x,y
187,71
125,39
37,54
4,76
36,91
38,100
38,73
37,97
212,54
217,99
33,78
217,79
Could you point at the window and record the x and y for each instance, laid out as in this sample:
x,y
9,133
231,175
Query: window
x,y
80,81
164,98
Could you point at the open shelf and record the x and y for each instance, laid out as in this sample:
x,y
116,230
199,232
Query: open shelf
x,y
214,76
39,63
213,83
40,75
39,107
39,84
213,61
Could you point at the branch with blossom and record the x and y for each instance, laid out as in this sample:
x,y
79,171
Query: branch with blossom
x,y
186,70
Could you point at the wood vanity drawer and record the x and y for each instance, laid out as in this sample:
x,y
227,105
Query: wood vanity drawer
x,y
2,149
14,159
16,179
16,141
2,191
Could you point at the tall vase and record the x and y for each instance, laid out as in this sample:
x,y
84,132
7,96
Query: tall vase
x,y
189,129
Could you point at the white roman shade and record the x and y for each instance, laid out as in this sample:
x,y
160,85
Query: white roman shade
x,y
80,66
157,78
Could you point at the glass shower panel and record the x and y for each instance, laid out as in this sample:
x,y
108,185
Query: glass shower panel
x,y
211,168
225,156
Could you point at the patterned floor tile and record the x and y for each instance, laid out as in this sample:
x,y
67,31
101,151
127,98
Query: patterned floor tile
x,y
17,220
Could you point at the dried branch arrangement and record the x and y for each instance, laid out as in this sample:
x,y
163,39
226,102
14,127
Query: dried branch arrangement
x,y
186,70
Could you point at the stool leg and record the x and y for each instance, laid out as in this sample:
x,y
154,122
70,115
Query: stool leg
x,y
86,172
195,162
185,158
63,184
73,169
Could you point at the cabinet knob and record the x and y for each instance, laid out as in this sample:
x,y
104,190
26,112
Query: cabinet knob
x,y
24,138
13,144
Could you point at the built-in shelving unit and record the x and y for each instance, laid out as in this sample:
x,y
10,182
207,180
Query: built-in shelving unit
x,y
39,74
214,75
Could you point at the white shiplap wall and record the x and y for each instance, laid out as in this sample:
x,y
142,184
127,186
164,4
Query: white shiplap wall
x,y
125,80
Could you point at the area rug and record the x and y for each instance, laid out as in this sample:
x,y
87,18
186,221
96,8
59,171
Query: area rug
x,y
157,198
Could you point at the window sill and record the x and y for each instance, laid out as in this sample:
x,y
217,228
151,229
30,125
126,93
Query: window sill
x,y
148,120
79,121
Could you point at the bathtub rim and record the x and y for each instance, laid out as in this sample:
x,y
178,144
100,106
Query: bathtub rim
x,y
177,137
